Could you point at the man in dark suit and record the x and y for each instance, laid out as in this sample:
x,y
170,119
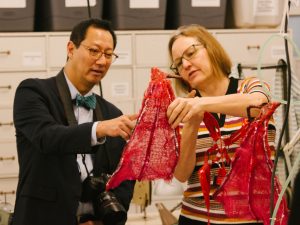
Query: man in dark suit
x,y
61,145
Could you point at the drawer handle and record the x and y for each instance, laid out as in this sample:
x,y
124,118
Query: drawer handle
x,y
5,87
7,158
5,52
7,124
253,47
7,192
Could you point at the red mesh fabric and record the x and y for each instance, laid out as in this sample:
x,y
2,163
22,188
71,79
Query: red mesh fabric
x,y
204,178
245,192
153,149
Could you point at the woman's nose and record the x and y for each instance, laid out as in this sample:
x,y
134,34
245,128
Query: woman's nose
x,y
185,63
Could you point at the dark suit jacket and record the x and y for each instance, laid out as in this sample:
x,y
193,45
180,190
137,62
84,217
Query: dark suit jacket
x,y
294,218
49,184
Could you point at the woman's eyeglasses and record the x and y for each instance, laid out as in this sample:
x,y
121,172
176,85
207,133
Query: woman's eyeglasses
x,y
188,54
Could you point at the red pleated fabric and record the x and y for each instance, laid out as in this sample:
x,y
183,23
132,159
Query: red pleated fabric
x,y
153,149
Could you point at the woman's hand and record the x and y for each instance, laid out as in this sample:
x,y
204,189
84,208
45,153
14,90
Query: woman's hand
x,y
182,110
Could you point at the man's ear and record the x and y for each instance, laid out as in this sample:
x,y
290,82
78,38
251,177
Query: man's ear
x,y
70,49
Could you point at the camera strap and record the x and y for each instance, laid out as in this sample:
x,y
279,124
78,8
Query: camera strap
x,y
65,96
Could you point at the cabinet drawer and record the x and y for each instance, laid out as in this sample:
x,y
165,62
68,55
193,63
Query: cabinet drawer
x,y
57,50
7,129
123,50
8,187
245,47
142,78
22,53
9,166
117,84
9,83
152,50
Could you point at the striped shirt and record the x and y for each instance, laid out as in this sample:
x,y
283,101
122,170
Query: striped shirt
x,y
193,204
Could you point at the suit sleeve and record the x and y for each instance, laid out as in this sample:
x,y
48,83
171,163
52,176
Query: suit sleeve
x,y
39,118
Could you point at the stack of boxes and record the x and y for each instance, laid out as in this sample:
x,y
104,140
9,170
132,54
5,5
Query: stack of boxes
x,y
62,15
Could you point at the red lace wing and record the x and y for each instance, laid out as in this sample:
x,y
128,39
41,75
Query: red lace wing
x,y
153,149
245,192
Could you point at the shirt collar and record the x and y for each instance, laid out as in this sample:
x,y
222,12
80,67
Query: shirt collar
x,y
73,89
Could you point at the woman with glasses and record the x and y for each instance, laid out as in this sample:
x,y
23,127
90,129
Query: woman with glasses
x,y
205,85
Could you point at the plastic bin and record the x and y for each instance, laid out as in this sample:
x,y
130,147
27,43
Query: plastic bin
x,y
62,15
210,14
17,15
257,13
136,14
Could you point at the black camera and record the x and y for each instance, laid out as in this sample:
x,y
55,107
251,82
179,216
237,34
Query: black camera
x,y
106,206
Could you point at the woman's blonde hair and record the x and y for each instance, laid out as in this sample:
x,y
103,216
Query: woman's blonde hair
x,y
219,59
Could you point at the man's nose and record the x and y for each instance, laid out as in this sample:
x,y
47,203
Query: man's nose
x,y
101,60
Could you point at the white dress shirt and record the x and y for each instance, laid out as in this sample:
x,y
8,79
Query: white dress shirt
x,y
84,115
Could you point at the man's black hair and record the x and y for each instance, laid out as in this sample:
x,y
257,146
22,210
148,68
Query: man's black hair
x,y
79,31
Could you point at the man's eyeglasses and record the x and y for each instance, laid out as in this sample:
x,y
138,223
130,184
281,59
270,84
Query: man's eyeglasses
x,y
188,54
97,54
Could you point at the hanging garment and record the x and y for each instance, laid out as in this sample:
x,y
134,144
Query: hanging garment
x,y
153,149
245,191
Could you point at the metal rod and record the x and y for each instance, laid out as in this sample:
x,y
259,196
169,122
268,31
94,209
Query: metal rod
x,y
174,76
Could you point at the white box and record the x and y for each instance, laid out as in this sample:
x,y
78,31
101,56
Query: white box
x,y
257,13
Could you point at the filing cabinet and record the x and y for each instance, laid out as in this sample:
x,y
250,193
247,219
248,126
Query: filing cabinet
x,y
24,55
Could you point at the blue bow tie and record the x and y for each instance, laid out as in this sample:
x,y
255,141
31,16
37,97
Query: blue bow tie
x,y
88,102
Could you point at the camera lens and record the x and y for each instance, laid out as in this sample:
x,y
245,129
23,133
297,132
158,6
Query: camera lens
x,y
111,210
106,206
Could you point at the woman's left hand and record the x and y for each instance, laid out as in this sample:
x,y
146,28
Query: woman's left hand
x,y
182,110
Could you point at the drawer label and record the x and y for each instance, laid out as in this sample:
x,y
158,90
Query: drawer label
x,y
139,4
266,7
120,89
13,4
32,59
278,52
206,3
79,3
124,58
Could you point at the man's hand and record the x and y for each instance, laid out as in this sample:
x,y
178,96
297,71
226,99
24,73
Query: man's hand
x,y
121,126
